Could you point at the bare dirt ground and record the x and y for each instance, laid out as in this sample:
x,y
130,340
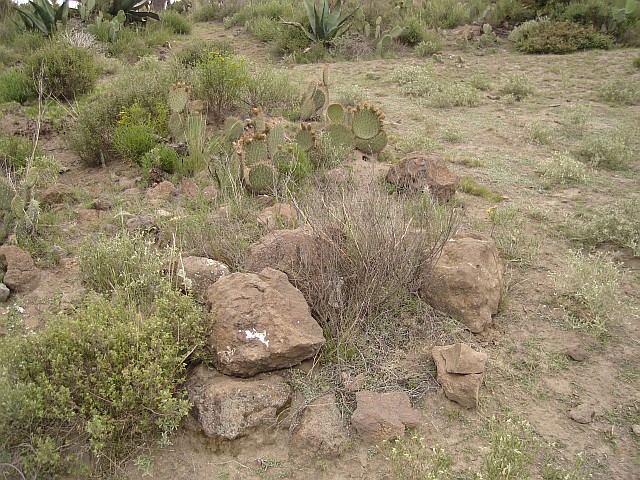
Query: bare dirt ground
x,y
529,376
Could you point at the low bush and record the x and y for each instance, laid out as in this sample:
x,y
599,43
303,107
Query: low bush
x,y
266,29
636,62
138,129
609,150
446,13
221,81
14,152
67,70
162,157
586,12
198,52
176,22
589,291
518,85
622,92
56,408
90,134
16,86
272,88
272,9
290,40
206,12
562,169
414,31
547,36
617,223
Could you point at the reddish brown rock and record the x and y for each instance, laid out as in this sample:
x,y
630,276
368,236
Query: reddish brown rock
x,y
163,191
229,407
21,274
260,322
383,416
462,359
424,171
466,281
280,213
460,388
56,194
583,413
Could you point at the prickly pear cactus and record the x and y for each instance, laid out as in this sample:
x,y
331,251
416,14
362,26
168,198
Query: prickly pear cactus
x,y
275,138
366,121
233,129
340,135
372,145
335,113
306,137
178,97
254,149
261,179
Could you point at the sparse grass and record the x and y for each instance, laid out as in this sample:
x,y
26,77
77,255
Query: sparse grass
x,y
415,143
621,92
470,186
574,121
562,169
176,22
412,459
589,291
636,62
540,133
617,223
480,82
513,450
419,81
608,149
511,235
349,94
578,471
16,86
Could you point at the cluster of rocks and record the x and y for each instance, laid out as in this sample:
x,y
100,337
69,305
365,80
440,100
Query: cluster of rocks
x,y
17,271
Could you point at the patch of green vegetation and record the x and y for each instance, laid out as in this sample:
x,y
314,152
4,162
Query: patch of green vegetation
x,y
547,36
472,187
621,91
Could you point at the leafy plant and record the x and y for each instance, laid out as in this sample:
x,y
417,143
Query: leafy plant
x,y
546,36
325,23
176,22
15,86
45,16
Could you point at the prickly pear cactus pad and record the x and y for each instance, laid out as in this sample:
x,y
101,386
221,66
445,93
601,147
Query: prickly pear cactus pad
x,y
261,179
175,125
233,128
340,135
307,109
335,113
366,122
254,149
306,138
178,97
275,138
372,145
320,97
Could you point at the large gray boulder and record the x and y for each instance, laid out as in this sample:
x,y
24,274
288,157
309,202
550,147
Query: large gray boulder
x,y
260,322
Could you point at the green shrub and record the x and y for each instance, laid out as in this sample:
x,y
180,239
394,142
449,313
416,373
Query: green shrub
x,y
16,86
123,261
586,12
636,62
68,70
428,48
517,84
273,9
131,45
54,404
221,81
137,130
205,13
546,36
265,29
617,223
480,82
514,11
176,22
562,169
163,157
445,13
272,88
609,150
198,51
589,291
413,32
623,92
15,151
290,40
90,135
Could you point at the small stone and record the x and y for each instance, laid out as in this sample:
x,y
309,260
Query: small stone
x,y
583,413
577,354
636,430
4,292
462,359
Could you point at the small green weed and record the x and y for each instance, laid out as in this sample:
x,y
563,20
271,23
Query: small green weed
x,y
470,186
578,471
540,133
480,82
16,86
636,62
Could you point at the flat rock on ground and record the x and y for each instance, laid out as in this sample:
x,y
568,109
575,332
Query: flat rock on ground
x,y
463,389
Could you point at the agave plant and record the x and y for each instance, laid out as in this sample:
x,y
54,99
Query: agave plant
x,y
44,16
326,24
131,9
